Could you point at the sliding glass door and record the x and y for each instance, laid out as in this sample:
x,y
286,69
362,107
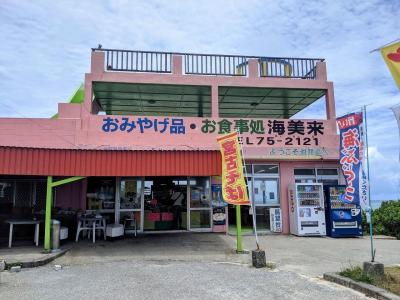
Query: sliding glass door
x,y
199,191
129,209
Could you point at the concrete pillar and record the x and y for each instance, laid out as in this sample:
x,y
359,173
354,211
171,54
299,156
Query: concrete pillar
x,y
321,71
97,62
214,101
87,104
330,103
286,178
177,64
253,68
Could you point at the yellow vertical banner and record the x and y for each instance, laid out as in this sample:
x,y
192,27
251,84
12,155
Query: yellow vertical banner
x,y
391,55
234,189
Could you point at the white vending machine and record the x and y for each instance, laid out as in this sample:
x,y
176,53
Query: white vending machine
x,y
306,209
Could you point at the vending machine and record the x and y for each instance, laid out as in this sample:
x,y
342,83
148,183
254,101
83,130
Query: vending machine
x,y
342,218
306,209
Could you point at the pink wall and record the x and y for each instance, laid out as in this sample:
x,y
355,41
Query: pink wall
x,y
87,133
71,195
286,175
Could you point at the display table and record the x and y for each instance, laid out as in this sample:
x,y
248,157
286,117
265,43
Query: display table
x,y
13,222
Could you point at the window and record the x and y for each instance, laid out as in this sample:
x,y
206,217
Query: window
x,y
101,193
200,192
329,181
327,172
22,195
304,172
200,203
265,191
130,193
305,180
266,169
248,169
6,196
326,176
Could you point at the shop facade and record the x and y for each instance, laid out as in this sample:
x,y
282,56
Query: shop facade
x,y
146,128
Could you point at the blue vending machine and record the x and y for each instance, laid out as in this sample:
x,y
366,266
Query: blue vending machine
x,y
342,219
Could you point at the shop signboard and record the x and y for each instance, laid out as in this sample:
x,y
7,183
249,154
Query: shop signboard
x,y
275,219
260,138
253,132
351,159
234,189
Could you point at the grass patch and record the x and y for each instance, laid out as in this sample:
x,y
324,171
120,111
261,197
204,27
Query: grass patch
x,y
390,281
356,273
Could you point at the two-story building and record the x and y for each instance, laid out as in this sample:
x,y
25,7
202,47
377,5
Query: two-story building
x,y
145,123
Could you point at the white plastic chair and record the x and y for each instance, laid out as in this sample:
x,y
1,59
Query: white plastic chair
x,y
90,225
98,224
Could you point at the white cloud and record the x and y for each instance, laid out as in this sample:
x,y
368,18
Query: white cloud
x,y
375,155
45,48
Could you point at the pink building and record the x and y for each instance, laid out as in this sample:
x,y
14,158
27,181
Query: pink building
x,y
148,123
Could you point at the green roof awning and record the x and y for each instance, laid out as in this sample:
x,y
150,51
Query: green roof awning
x,y
195,101
264,102
153,99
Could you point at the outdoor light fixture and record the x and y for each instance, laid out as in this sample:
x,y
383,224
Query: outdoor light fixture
x,y
151,101
254,104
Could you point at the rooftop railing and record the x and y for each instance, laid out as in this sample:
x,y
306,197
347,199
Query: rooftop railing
x,y
212,64
137,61
209,64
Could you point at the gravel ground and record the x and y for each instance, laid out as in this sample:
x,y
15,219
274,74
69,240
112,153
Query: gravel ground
x,y
166,279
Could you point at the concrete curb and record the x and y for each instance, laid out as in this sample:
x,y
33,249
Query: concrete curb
x,y
37,262
367,289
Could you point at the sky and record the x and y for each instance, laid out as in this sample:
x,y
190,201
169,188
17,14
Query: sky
x,y
45,51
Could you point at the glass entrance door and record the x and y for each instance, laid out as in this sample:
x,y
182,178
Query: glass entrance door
x,y
265,196
165,204
199,191
130,204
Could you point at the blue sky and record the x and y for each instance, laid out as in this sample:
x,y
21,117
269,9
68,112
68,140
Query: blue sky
x,y
45,51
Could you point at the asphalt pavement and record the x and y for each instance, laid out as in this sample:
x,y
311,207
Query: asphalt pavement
x,y
194,266
166,279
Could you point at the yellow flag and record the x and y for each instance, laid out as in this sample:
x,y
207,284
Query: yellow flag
x,y
234,188
391,55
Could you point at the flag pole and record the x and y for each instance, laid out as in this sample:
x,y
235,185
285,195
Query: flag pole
x,y
377,49
239,243
369,188
248,194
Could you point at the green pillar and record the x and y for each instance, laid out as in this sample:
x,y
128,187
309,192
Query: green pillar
x,y
49,204
239,246
49,201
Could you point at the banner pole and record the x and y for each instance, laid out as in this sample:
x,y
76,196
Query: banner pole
x,y
369,189
239,245
248,194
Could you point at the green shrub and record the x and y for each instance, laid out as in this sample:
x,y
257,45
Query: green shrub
x,y
386,219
